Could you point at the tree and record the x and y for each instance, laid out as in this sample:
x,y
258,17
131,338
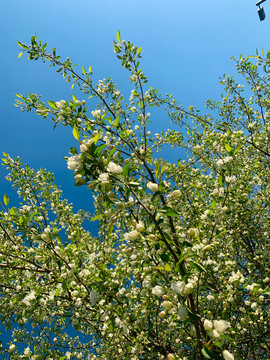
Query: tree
x,y
180,268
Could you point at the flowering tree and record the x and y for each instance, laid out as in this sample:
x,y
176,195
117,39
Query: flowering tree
x,y
179,269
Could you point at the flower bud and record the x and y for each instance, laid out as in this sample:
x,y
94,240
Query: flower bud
x,y
152,186
193,233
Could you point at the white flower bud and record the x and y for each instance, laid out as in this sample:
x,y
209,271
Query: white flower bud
x,y
140,226
178,287
227,355
11,348
152,186
208,325
114,168
221,325
158,290
175,194
167,305
193,233
133,235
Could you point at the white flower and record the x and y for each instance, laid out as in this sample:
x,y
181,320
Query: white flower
x,y
193,233
27,351
221,325
158,290
73,162
213,334
140,226
133,235
183,313
219,162
179,287
103,177
11,348
167,305
208,325
152,186
96,113
114,168
189,288
227,355
83,147
60,104
170,357
78,177
162,314
175,194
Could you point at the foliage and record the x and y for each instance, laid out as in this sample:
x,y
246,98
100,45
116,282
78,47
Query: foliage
x,y
180,268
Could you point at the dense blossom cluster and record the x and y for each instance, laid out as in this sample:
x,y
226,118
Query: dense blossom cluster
x,y
180,267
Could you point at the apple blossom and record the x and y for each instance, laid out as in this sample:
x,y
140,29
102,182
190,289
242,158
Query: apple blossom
x,y
179,287
152,186
227,355
158,290
114,168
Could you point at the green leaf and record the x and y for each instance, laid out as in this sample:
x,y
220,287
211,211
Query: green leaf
x,y
221,180
211,354
83,69
74,97
227,147
75,133
193,316
168,267
52,104
22,45
97,217
57,292
139,50
197,266
96,138
117,120
13,211
169,211
164,257
20,54
213,204
205,354
118,37
6,199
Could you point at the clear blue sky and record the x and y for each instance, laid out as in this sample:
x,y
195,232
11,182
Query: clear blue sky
x,y
187,45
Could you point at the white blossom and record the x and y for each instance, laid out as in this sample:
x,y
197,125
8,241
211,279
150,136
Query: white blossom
x,y
152,186
114,168
158,290
179,287
208,325
227,355
73,162
221,325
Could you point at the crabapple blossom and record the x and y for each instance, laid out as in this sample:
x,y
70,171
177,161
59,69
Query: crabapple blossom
x,y
158,290
152,186
227,355
114,168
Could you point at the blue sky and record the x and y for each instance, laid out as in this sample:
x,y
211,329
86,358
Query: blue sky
x,y
187,45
